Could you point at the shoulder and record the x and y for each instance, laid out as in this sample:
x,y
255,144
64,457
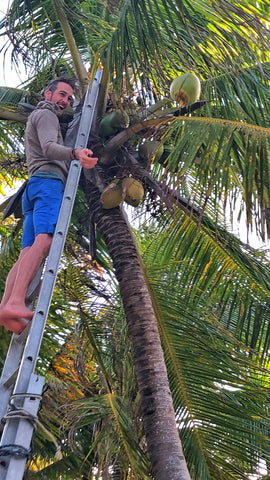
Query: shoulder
x,y
43,115
46,108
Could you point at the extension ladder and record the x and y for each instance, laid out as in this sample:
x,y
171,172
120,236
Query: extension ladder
x,y
18,409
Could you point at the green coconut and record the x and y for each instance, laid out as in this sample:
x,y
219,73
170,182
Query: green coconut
x,y
119,119
150,149
132,191
167,150
111,196
186,89
113,123
105,128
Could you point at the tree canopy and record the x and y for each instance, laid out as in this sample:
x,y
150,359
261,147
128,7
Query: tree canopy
x,y
209,290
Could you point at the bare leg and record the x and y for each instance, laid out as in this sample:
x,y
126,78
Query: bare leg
x,y
14,324
12,308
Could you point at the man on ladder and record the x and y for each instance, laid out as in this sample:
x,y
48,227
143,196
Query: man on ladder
x,y
48,163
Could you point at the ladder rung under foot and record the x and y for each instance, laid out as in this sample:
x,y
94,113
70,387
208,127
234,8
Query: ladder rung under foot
x,y
11,379
23,336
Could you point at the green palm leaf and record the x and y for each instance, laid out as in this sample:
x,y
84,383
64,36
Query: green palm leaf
x,y
214,381
210,291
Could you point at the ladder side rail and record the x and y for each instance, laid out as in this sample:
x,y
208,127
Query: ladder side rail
x,y
10,367
53,261
20,430
29,357
16,346
38,323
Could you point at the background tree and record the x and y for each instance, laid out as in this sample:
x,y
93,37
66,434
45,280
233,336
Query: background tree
x,y
209,292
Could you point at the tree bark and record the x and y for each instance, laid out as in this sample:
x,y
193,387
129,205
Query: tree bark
x,y
163,442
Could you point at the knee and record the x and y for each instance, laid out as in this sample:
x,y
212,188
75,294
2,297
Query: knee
x,y
44,242
47,245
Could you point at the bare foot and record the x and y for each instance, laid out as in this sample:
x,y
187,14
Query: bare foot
x,y
16,325
11,310
14,317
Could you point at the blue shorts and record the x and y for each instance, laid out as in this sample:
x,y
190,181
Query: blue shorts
x,y
41,203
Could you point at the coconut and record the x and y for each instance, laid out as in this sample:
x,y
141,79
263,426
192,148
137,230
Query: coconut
x,y
150,149
113,123
111,196
132,191
167,150
119,119
186,89
105,128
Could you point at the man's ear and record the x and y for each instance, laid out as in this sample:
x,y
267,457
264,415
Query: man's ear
x,y
47,95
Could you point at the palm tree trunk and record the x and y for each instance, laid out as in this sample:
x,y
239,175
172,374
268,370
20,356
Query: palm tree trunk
x,y
163,443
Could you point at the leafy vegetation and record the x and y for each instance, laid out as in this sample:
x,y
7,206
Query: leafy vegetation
x,y
209,291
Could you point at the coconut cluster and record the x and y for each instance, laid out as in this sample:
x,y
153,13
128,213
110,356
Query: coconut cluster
x,y
185,90
129,190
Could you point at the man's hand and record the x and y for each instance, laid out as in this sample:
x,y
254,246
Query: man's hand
x,y
84,155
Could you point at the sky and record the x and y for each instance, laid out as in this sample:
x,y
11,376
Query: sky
x,y
8,74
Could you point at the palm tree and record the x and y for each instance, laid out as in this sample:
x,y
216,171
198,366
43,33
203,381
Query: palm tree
x,y
214,157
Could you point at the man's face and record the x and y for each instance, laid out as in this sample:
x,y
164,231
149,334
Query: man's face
x,y
62,96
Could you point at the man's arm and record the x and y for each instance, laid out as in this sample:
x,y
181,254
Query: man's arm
x,y
47,126
50,139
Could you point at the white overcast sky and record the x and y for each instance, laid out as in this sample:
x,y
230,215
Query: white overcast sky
x,y
9,76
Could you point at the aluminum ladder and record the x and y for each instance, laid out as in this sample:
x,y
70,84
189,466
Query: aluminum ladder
x,y
18,409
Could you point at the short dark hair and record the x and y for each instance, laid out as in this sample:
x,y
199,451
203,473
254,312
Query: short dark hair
x,y
52,85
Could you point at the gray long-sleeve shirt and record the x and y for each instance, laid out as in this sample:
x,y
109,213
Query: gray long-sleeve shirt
x,y
44,147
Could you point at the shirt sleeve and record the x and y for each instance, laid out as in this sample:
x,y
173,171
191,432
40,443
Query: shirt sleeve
x,y
51,142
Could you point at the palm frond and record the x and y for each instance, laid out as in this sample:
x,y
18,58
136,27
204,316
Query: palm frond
x,y
212,360
161,38
115,419
212,268
220,161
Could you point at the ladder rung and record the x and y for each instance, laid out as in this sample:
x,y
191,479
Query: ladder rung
x,y
23,336
11,379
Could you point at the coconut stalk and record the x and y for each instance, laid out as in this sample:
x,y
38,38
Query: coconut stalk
x,y
122,137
